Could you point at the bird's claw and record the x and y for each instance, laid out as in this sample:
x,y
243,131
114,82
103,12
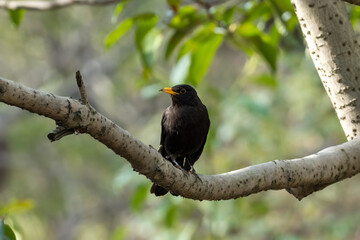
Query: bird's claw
x,y
179,167
193,172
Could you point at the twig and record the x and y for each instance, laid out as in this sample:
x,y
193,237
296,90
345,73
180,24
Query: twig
x,y
59,132
81,86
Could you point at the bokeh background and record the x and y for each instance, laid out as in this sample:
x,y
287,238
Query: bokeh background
x,y
76,188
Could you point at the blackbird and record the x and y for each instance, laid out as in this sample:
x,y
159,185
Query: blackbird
x,y
184,128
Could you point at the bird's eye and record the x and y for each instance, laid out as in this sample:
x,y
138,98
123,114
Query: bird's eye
x,y
183,91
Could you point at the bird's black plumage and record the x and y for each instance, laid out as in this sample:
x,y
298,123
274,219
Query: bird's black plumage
x,y
184,128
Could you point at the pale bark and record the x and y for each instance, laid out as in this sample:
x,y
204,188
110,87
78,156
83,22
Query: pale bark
x,y
334,50
325,167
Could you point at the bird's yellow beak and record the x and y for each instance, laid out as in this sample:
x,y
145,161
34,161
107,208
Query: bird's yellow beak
x,y
169,91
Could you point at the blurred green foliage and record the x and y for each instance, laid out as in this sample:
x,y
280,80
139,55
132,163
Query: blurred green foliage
x,y
6,233
265,102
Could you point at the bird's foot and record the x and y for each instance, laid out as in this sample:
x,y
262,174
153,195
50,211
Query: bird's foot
x,y
179,167
160,150
193,172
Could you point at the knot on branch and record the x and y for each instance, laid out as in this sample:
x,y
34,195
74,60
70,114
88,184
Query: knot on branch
x,y
61,131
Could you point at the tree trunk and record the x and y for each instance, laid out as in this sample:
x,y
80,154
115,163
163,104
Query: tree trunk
x,y
334,50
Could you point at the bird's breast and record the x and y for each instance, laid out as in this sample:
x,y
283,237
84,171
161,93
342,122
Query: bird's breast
x,y
185,129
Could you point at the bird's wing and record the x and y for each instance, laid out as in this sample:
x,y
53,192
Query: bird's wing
x,y
195,156
162,138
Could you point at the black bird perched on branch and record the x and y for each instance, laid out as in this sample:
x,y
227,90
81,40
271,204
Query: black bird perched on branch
x,y
184,128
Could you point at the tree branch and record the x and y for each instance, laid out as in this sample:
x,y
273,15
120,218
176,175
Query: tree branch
x,y
355,2
325,167
334,50
49,5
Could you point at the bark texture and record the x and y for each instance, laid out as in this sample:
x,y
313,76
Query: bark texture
x,y
334,49
325,167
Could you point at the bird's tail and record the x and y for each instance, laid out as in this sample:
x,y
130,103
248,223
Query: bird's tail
x,y
158,190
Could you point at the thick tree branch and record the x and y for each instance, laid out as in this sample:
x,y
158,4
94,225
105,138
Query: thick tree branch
x,y
328,166
335,52
334,49
48,5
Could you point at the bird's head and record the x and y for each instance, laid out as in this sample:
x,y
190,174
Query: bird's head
x,y
182,94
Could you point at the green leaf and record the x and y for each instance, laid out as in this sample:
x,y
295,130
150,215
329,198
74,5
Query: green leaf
x,y
139,197
267,50
148,40
175,40
262,43
181,69
16,206
228,15
144,25
16,16
6,233
118,9
201,57
202,47
266,80
248,29
118,32
198,37
187,17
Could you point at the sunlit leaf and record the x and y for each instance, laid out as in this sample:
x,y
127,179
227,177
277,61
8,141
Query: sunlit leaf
x,y
118,32
16,16
181,69
202,56
118,9
198,37
16,206
248,29
262,43
147,39
185,16
144,24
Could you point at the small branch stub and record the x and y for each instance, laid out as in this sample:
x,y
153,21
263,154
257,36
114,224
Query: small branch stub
x,y
60,131
81,86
